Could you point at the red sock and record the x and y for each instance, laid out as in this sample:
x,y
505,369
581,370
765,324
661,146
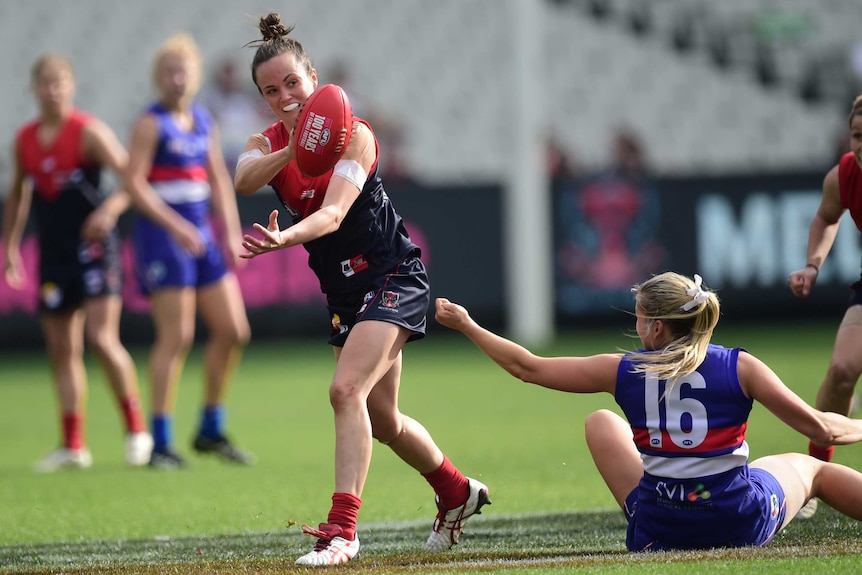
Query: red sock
x,y
133,415
821,452
344,511
73,430
449,483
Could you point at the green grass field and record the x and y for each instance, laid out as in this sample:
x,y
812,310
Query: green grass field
x,y
551,510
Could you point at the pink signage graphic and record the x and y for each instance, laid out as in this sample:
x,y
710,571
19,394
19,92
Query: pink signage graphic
x,y
277,278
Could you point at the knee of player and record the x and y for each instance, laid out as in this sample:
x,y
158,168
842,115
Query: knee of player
x,y
183,340
173,341
844,373
345,394
243,335
101,341
61,349
238,336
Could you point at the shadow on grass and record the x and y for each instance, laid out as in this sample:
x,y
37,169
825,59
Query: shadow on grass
x,y
490,543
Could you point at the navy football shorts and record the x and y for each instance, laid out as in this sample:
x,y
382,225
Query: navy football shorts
x,y
400,297
88,270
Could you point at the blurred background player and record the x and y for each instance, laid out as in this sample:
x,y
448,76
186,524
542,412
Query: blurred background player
x,y
377,295
58,161
842,191
176,171
677,465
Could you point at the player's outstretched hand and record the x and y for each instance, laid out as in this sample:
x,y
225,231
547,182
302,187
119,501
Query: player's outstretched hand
x,y
272,238
801,281
451,314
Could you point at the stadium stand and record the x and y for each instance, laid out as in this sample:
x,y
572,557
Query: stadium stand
x,y
679,73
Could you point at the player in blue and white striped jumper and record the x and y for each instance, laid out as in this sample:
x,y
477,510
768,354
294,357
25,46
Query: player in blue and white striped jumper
x,y
678,463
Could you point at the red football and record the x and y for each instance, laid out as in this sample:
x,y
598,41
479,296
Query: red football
x,y
322,130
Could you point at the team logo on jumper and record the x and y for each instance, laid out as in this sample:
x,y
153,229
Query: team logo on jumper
x,y
389,300
52,295
774,505
188,147
354,265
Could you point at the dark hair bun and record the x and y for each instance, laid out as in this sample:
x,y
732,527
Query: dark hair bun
x,y
272,29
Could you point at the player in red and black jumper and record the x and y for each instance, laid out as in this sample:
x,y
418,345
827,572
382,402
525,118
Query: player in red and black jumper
x,y
842,191
377,294
58,165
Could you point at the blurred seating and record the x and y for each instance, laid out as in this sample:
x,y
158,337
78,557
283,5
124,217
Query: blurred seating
x,y
444,69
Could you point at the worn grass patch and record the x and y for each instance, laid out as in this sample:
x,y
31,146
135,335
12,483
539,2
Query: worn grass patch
x,y
591,541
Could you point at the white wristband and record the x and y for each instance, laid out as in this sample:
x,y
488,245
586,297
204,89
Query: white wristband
x,y
351,171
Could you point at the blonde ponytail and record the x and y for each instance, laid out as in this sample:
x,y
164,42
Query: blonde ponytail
x,y
689,311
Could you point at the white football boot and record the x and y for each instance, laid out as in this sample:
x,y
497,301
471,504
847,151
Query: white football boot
x,y
139,447
808,510
331,548
64,458
449,523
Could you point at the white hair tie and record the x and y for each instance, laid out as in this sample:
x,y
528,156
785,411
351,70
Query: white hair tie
x,y
698,296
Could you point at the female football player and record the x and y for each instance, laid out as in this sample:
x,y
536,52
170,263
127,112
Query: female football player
x,y
58,166
377,294
176,175
842,191
677,464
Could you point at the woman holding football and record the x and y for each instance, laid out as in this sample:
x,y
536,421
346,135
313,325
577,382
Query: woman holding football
x,y
377,295
176,175
58,160
677,464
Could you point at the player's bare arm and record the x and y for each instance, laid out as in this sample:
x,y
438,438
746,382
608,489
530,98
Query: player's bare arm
x,y
340,195
592,374
223,196
16,208
821,236
102,145
257,165
764,386
824,226
345,186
